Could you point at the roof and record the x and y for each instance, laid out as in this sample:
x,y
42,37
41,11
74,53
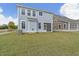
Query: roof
x,y
63,18
34,9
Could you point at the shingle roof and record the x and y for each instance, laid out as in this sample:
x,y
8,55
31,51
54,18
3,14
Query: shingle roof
x,y
34,9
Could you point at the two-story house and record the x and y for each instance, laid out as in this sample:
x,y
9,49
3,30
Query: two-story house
x,y
34,20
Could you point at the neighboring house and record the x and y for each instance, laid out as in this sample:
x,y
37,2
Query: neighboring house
x,y
61,23
34,20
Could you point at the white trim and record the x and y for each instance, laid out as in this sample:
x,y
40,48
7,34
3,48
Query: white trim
x,y
77,26
23,30
67,30
69,26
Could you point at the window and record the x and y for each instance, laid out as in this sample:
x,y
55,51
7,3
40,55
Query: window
x,y
45,26
64,26
23,25
73,26
39,25
59,26
34,14
29,12
40,13
23,11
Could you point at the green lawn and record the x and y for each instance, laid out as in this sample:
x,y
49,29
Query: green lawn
x,y
55,43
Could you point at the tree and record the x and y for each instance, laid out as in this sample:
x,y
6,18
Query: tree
x,y
4,26
11,25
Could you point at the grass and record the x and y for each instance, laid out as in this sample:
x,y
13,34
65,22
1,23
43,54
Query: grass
x,y
40,44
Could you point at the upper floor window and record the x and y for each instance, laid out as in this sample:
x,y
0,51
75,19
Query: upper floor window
x,y
40,13
23,11
34,13
29,12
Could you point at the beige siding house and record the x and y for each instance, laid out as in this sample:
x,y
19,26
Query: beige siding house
x,y
61,23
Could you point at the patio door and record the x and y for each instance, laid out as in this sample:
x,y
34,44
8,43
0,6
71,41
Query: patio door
x,y
47,27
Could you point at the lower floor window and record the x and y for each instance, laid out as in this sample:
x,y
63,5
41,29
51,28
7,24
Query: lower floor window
x,y
73,26
23,24
39,25
64,26
45,26
59,26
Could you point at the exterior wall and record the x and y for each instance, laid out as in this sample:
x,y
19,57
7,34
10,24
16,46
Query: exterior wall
x,y
59,24
46,18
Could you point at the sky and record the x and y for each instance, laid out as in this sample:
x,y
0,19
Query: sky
x,y
8,11
10,8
